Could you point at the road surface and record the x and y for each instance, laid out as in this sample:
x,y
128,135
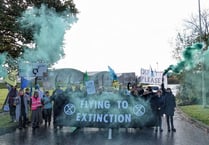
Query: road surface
x,y
187,134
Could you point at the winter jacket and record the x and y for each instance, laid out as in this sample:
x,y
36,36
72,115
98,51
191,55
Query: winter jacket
x,y
46,101
170,104
18,106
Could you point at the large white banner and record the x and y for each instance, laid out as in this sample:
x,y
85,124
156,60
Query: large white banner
x,y
149,76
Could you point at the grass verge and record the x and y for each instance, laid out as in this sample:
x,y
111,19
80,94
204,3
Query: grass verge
x,y
5,121
5,124
3,94
197,112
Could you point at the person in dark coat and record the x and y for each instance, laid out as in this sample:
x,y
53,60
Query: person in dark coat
x,y
11,101
157,104
21,108
58,99
170,105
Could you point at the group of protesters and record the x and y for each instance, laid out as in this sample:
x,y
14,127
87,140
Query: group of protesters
x,y
162,103
27,107
22,102
37,107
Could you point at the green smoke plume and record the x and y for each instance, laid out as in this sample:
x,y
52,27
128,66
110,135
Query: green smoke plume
x,y
189,60
3,71
49,30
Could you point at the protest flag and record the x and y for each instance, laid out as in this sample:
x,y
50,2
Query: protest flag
x,y
112,74
11,78
24,82
86,76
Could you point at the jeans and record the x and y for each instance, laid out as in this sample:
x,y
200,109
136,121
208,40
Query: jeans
x,y
22,120
169,120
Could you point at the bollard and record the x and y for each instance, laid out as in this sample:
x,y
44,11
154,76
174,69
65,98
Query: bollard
x,y
110,133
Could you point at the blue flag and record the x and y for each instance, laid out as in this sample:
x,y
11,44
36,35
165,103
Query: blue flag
x,y
151,72
112,74
24,82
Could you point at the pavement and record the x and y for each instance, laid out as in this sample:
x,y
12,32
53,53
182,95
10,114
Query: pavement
x,y
194,121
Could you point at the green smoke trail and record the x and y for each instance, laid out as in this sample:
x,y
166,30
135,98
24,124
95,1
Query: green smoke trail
x,y
49,28
206,59
189,61
3,71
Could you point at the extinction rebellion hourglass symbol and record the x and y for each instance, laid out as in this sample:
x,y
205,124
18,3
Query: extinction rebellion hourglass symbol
x,y
139,110
69,109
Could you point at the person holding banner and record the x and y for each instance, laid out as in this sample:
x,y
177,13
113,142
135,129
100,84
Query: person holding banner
x,y
134,90
69,90
57,99
157,104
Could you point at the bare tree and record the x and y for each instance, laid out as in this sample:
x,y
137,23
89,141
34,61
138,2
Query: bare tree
x,y
191,33
193,26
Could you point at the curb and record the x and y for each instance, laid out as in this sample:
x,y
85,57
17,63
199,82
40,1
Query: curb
x,y
197,123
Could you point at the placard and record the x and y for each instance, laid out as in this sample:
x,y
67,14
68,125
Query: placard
x,y
90,88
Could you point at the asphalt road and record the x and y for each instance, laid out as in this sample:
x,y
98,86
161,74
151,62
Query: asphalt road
x,y
187,134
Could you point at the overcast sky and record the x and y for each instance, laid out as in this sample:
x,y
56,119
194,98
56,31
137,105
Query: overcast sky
x,y
125,34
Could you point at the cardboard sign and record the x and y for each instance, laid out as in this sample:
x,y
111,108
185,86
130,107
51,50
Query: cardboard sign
x,y
90,88
152,77
32,69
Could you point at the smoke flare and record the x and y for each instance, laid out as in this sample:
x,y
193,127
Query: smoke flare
x,y
188,62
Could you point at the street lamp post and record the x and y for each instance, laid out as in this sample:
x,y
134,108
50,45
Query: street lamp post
x,y
203,60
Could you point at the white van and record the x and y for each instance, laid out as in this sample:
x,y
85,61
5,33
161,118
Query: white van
x,y
154,87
